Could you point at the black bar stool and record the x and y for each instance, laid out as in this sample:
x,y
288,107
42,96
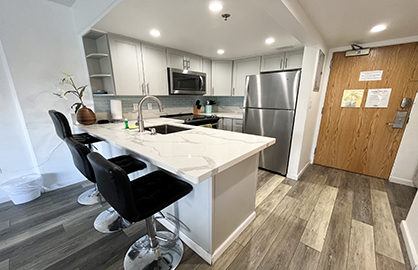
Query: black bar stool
x,y
108,221
137,200
63,130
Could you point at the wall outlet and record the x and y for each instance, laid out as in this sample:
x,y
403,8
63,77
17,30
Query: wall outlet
x,y
135,105
149,106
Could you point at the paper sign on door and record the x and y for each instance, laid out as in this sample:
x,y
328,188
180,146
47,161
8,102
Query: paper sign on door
x,y
378,98
352,98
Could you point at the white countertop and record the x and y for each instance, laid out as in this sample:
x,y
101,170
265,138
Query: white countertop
x,y
229,115
195,154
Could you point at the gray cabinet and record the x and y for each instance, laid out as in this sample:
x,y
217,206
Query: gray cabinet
x,y
282,61
222,78
243,68
183,60
230,124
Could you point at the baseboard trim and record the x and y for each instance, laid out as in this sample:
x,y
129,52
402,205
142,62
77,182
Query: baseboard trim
x,y
410,248
221,249
189,242
296,177
402,181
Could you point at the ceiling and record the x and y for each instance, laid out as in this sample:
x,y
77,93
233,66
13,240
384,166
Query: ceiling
x,y
189,25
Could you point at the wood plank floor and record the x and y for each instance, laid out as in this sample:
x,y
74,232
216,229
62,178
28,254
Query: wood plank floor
x,y
329,219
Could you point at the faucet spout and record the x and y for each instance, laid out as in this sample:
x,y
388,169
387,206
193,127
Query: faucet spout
x,y
141,127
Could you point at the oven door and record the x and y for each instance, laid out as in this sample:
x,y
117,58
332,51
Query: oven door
x,y
190,83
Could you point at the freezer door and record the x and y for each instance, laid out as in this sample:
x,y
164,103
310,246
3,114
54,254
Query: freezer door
x,y
271,123
272,90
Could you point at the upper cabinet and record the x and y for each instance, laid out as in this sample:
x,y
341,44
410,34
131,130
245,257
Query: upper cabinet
x,y
243,68
96,48
221,78
183,60
155,70
127,66
282,61
139,68
207,68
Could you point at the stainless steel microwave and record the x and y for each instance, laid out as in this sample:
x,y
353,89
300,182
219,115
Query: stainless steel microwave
x,y
182,82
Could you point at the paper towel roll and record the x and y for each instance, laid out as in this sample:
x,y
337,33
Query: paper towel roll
x,y
116,109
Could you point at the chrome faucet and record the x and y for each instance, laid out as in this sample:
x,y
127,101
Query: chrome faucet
x,y
140,117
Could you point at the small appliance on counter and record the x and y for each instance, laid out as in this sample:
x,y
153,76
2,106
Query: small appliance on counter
x,y
196,119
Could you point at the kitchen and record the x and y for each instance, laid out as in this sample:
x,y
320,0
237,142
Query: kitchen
x,y
23,70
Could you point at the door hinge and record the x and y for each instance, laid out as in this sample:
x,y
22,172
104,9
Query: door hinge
x,y
322,110
330,63
314,152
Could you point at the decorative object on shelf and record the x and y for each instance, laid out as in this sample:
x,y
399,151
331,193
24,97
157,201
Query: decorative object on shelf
x,y
85,116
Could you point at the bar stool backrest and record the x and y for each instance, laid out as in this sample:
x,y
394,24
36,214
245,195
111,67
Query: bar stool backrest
x,y
79,152
114,185
62,127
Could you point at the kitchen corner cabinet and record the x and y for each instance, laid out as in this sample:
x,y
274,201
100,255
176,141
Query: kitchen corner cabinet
x,y
127,66
183,60
207,68
221,78
282,61
243,68
96,48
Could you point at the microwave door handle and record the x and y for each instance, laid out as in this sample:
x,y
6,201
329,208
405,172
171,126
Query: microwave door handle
x,y
201,83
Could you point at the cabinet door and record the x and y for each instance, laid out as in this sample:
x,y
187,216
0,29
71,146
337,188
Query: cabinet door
x,y
127,67
237,125
155,70
207,68
195,62
221,78
293,59
272,62
175,59
242,68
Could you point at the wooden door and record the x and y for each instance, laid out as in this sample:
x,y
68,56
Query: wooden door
x,y
360,139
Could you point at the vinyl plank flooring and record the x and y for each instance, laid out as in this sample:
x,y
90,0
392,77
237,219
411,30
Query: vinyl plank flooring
x,y
362,209
336,245
400,195
4,225
333,178
225,260
304,258
267,188
190,261
271,204
289,182
317,226
361,252
309,198
385,263
253,253
4,265
377,183
386,236
281,251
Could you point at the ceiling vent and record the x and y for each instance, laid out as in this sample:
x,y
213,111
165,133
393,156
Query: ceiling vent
x,y
286,47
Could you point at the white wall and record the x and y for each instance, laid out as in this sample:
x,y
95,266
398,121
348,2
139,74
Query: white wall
x,y
305,118
38,40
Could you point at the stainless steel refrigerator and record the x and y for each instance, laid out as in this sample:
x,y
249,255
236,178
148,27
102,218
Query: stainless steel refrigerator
x,y
269,110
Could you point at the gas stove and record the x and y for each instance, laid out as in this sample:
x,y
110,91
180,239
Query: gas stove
x,y
194,119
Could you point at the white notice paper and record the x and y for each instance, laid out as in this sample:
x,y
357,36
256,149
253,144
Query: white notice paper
x,y
378,98
375,75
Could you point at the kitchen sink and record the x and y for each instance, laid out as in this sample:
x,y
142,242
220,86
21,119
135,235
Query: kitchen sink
x,y
166,129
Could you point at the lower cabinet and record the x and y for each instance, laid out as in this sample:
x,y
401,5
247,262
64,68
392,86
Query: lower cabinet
x,y
230,124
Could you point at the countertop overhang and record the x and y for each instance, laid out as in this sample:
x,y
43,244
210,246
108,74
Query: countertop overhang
x,y
195,154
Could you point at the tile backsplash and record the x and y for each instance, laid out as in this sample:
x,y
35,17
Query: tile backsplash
x,y
102,103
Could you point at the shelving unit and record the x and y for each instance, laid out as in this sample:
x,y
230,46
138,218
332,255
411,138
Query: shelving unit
x,y
96,48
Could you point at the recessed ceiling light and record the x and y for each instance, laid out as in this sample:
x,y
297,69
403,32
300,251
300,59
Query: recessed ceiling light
x,y
215,6
270,40
378,28
221,51
155,33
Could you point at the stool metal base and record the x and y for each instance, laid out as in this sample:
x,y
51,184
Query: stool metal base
x,y
90,197
109,221
167,255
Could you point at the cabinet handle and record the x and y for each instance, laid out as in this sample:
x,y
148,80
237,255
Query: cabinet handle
x,y
143,89
213,91
147,88
281,63
285,63
233,91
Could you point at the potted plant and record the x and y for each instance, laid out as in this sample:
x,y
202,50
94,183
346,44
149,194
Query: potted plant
x,y
85,116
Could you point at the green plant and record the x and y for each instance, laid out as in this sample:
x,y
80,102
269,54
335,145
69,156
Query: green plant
x,y
76,91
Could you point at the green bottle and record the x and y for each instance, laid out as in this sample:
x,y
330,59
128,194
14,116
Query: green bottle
x,y
126,123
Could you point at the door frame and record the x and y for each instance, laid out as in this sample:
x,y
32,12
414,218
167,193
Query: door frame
x,y
324,87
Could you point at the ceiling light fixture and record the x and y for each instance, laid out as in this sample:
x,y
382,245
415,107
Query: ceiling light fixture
x,y
155,33
270,40
378,28
215,6
221,51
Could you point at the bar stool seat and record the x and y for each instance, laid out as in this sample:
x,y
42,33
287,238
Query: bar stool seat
x,y
140,199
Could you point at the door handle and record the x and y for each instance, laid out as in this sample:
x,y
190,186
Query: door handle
x,y
399,120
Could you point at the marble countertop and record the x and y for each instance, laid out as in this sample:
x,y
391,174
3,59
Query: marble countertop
x,y
229,115
195,154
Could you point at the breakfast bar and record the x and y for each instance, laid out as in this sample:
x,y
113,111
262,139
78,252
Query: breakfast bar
x,y
221,165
